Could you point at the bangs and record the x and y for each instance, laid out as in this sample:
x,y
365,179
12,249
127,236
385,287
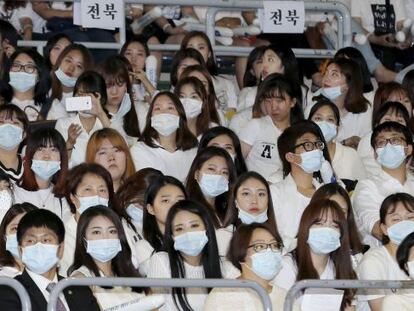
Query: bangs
x,y
324,214
47,141
275,92
408,207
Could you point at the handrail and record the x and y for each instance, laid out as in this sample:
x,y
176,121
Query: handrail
x,y
20,290
292,294
141,282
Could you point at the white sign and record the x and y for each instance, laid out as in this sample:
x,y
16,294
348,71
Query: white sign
x,y
104,14
325,299
282,17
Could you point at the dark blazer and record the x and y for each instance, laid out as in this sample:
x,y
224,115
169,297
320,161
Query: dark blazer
x,y
79,298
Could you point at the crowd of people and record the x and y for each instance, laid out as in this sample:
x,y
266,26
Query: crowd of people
x,y
290,169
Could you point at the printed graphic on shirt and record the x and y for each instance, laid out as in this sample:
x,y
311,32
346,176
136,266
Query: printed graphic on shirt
x,y
267,150
384,18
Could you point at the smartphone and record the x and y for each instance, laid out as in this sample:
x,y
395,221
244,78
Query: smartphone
x,y
80,103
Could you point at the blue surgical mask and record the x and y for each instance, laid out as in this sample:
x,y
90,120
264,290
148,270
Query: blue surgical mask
x,y
328,129
248,219
400,230
12,245
65,79
213,185
22,81
332,93
324,240
136,213
103,250
312,161
45,169
87,202
266,264
391,156
191,243
10,136
40,258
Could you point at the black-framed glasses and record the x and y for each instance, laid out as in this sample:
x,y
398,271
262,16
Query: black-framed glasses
x,y
309,145
261,247
28,68
395,141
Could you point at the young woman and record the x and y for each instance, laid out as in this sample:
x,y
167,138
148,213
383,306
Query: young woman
x,y
211,175
343,85
26,83
166,143
396,222
190,252
13,130
256,252
10,262
119,104
277,106
183,59
305,158
71,63
54,46
194,98
323,252
102,250
45,171
77,129
225,138
108,148
345,161
253,72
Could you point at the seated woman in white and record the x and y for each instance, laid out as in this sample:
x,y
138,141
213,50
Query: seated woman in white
x,y
323,252
388,111
10,261
277,106
396,222
257,252
166,143
393,147
102,250
45,171
77,129
405,258
191,253
303,153
345,160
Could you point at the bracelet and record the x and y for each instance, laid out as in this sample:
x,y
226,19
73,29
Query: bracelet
x,y
164,28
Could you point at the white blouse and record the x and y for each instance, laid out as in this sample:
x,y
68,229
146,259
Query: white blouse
x,y
58,108
366,153
347,163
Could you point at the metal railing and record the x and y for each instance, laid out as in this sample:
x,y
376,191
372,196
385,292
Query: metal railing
x,y
140,282
295,290
341,12
20,290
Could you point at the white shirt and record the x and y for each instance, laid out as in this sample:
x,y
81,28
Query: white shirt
x,y
366,153
176,164
368,196
144,253
9,272
247,97
403,302
240,120
79,149
142,107
262,135
58,108
225,93
70,245
223,237
29,107
347,163
289,205
132,238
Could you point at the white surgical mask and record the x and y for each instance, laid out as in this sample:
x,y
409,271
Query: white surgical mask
x,y
324,240
328,129
65,79
332,93
12,245
40,258
248,219
192,107
191,243
266,264
45,169
103,250
391,156
136,213
87,202
312,161
213,185
10,136
22,81
165,123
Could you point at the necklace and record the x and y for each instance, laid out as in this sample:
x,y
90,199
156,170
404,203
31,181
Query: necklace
x,y
44,199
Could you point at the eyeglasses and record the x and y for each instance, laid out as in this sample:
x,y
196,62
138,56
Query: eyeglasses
x,y
381,143
28,68
261,247
309,146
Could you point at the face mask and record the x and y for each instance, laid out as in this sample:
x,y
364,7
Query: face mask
x,y
103,250
266,264
136,213
45,169
332,93
125,107
213,185
165,123
87,202
12,245
65,79
410,265
6,199
10,136
248,219
40,258
400,230
191,243
22,81
324,240
312,161
391,156
328,129
192,107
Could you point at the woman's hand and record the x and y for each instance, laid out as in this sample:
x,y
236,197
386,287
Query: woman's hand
x,y
352,142
74,131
